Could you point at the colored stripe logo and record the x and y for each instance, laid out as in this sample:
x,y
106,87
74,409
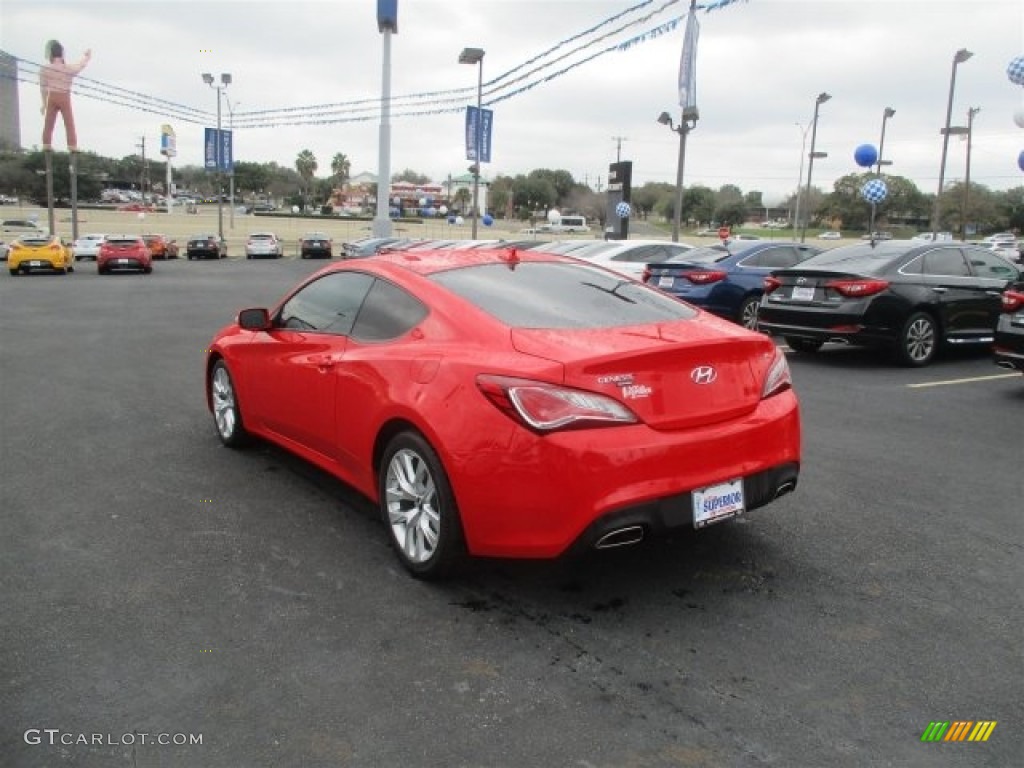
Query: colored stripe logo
x,y
959,730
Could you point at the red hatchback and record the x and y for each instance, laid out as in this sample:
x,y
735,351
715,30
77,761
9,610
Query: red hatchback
x,y
124,252
511,404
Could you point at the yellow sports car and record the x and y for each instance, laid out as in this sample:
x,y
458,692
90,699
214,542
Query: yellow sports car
x,y
32,252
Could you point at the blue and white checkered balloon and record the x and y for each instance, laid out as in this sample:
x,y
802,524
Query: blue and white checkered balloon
x,y
874,191
1015,71
622,210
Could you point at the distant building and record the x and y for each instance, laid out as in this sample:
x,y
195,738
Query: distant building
x,y
10,116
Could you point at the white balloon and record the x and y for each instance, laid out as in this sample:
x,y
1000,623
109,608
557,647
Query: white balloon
x,y
554,216
443,209
295,209
459,220
1018,117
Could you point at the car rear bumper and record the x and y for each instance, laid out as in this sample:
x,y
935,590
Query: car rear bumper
x,y
824,325
529,498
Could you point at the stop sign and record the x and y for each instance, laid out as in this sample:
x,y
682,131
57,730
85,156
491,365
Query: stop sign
x,y
723,233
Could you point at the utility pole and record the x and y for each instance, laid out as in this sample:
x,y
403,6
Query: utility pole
x,y
618,147
142,179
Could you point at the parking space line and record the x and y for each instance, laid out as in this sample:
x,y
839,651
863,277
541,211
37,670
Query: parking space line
x,y
993,377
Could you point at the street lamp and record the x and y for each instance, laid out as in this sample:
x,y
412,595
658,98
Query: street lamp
x,y
476,56
800,177
225,80
822,98
958,58
889,112
686,124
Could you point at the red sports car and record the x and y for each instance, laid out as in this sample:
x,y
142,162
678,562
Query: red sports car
x,y
124,252
511,403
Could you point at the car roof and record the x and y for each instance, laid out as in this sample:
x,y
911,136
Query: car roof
x,y
427,262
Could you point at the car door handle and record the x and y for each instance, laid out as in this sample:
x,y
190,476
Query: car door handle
x,y
939,289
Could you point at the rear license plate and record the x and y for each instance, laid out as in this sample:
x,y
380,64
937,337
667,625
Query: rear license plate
x,y
1017,319
35,263
124,261
803,293
665,282
717,502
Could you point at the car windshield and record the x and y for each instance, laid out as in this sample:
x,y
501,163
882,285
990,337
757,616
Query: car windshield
x,y
558,295
315,236
34,240
262,237
861,258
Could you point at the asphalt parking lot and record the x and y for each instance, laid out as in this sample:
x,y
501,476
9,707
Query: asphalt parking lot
x,y
157,583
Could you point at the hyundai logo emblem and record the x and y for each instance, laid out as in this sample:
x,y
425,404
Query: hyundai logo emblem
x,y
703,374
801,280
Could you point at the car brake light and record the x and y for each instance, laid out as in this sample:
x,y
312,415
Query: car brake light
x,y
1012,301
855,289
54,247
778,378
770,284
548,407
705,276
646,275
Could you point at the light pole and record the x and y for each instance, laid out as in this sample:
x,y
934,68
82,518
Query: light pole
x,y
958,58
889,112
225,81
687,123
800,177
822,98
476,56
971,112
231,171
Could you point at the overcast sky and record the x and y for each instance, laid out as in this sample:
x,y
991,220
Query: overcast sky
x,y
760,65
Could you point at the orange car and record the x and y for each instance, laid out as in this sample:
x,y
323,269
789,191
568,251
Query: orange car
x,y
161,247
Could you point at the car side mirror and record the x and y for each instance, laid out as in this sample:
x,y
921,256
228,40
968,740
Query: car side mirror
x,y
257,319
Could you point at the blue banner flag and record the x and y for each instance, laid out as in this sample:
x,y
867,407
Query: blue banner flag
x,y
218,153
688,63
485,134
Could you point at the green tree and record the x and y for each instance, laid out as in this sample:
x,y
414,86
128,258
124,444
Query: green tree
x,y
845,205
306,166
340,169
411,177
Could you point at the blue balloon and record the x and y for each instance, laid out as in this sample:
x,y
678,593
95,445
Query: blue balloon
x,y
865,155
487,219
874,191
1020,160
623,209
451,219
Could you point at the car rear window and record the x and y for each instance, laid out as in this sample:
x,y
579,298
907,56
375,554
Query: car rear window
x,y
123,240
707,255
558,295
262,237
860,258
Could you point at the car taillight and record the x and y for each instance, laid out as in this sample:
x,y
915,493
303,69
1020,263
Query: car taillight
x,y
1012,301
548,407
646,275
705,276
778,378
54,247
770,284
855,289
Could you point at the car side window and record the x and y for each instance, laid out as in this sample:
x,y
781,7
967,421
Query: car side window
x,y
327,305
779,258
948,262
387,313
987,264
647,253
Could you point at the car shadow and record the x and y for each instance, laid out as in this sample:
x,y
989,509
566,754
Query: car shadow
x,y
843,356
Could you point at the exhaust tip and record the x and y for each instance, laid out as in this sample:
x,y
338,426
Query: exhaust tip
x,y
787,487
621,537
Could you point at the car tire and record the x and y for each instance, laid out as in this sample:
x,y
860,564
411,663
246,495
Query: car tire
x,y
418,507
14,272
70,267
805,346
147,270
227,417
747,316
919,340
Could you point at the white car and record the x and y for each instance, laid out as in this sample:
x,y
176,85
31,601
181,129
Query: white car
x,y
628,257
87,246
1002,237
831,235
929,237
263,245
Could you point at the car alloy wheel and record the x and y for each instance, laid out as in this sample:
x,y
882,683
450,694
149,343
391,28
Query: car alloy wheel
x,y
419,508
748,312
919,340
226,415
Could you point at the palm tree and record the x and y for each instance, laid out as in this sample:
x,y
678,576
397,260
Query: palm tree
x,y
306,165
462,197
340,167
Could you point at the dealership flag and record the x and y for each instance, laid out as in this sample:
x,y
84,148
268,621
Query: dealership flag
x,y
688,62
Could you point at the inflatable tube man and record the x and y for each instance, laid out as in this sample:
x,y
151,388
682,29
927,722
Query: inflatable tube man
x,y
55,86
